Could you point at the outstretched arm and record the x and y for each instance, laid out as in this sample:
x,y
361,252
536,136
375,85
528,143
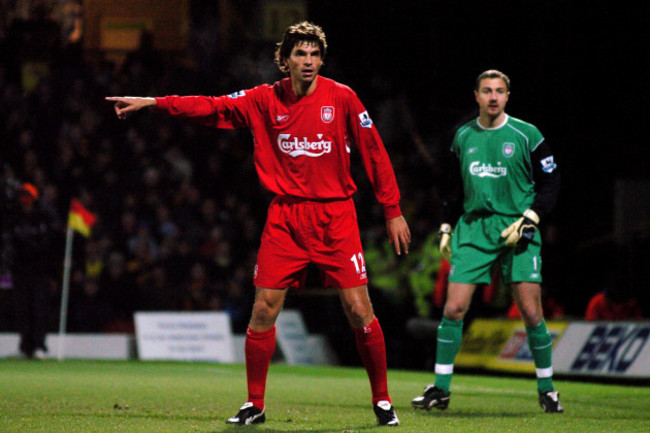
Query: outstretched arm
x,y
398,234
125,105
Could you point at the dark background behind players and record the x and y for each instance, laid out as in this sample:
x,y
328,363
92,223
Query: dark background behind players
x,y
576,78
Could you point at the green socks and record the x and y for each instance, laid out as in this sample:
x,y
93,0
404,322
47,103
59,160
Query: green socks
x,y
450,335
540,344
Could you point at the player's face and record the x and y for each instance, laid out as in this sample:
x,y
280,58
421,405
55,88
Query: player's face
x,y
304,62
492,96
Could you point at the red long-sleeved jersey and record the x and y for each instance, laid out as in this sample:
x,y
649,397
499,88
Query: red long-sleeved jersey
x,y
302,145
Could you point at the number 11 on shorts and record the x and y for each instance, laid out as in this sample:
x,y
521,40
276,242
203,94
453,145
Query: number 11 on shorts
x,y
359,262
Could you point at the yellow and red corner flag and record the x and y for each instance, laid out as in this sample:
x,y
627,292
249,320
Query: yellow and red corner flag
x,y
80,219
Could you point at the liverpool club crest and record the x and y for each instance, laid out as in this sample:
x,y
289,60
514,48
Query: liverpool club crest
x,y
508,149
327,114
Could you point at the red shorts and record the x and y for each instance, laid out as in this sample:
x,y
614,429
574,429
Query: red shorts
x,y
299,232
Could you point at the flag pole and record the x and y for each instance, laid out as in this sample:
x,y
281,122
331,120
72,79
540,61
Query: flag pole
x,y
65,291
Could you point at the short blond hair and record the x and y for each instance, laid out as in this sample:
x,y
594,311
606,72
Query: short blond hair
x,y
492,73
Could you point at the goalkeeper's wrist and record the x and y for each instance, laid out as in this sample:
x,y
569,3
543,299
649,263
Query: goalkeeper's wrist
x,y
531,215
444,229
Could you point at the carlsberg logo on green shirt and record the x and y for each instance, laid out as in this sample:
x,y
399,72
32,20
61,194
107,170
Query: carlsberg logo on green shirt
x,y
487,170
496,166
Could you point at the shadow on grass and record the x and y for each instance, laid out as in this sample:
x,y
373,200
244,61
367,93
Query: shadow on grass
x,y
261,429
575,415
472,414
257,428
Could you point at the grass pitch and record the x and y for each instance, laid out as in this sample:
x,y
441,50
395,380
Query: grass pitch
x,y
131,396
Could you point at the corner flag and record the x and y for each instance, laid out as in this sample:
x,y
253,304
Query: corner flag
x,y
80,219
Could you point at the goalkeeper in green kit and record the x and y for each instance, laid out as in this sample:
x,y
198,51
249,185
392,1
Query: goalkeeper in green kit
x,y
510,181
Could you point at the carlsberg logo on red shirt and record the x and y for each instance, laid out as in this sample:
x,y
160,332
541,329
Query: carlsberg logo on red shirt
x,y
296,147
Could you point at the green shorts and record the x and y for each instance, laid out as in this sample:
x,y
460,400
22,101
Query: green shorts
x,y
477,247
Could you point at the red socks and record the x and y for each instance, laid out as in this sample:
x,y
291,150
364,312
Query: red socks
x,y
260,347
372,349
259,350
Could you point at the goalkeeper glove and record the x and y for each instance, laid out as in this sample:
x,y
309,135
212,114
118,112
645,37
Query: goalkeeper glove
x,y
522,230
445,241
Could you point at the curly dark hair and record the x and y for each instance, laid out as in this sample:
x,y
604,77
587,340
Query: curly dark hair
x,y
296,35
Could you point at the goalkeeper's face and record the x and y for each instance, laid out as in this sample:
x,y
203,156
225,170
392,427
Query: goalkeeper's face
x,y
492,97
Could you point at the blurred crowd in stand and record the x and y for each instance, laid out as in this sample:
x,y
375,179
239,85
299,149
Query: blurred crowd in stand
x,y
180,210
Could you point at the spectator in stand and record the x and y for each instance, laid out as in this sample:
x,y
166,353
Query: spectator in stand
x,y
69,15
89,312
613,305
616,301
34,232
159,294
238,300
119,289
199,291
94,261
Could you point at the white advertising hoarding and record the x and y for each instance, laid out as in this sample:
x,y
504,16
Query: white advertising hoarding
x,y
187,336
292,336
612,349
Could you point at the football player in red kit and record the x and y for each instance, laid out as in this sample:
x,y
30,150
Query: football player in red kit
x,y
303,128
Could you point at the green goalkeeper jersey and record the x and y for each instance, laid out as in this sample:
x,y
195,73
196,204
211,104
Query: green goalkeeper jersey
x,y
496,166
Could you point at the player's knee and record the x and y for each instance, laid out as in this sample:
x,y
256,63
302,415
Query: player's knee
x,y
264,312
359,314
455,311
531,315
